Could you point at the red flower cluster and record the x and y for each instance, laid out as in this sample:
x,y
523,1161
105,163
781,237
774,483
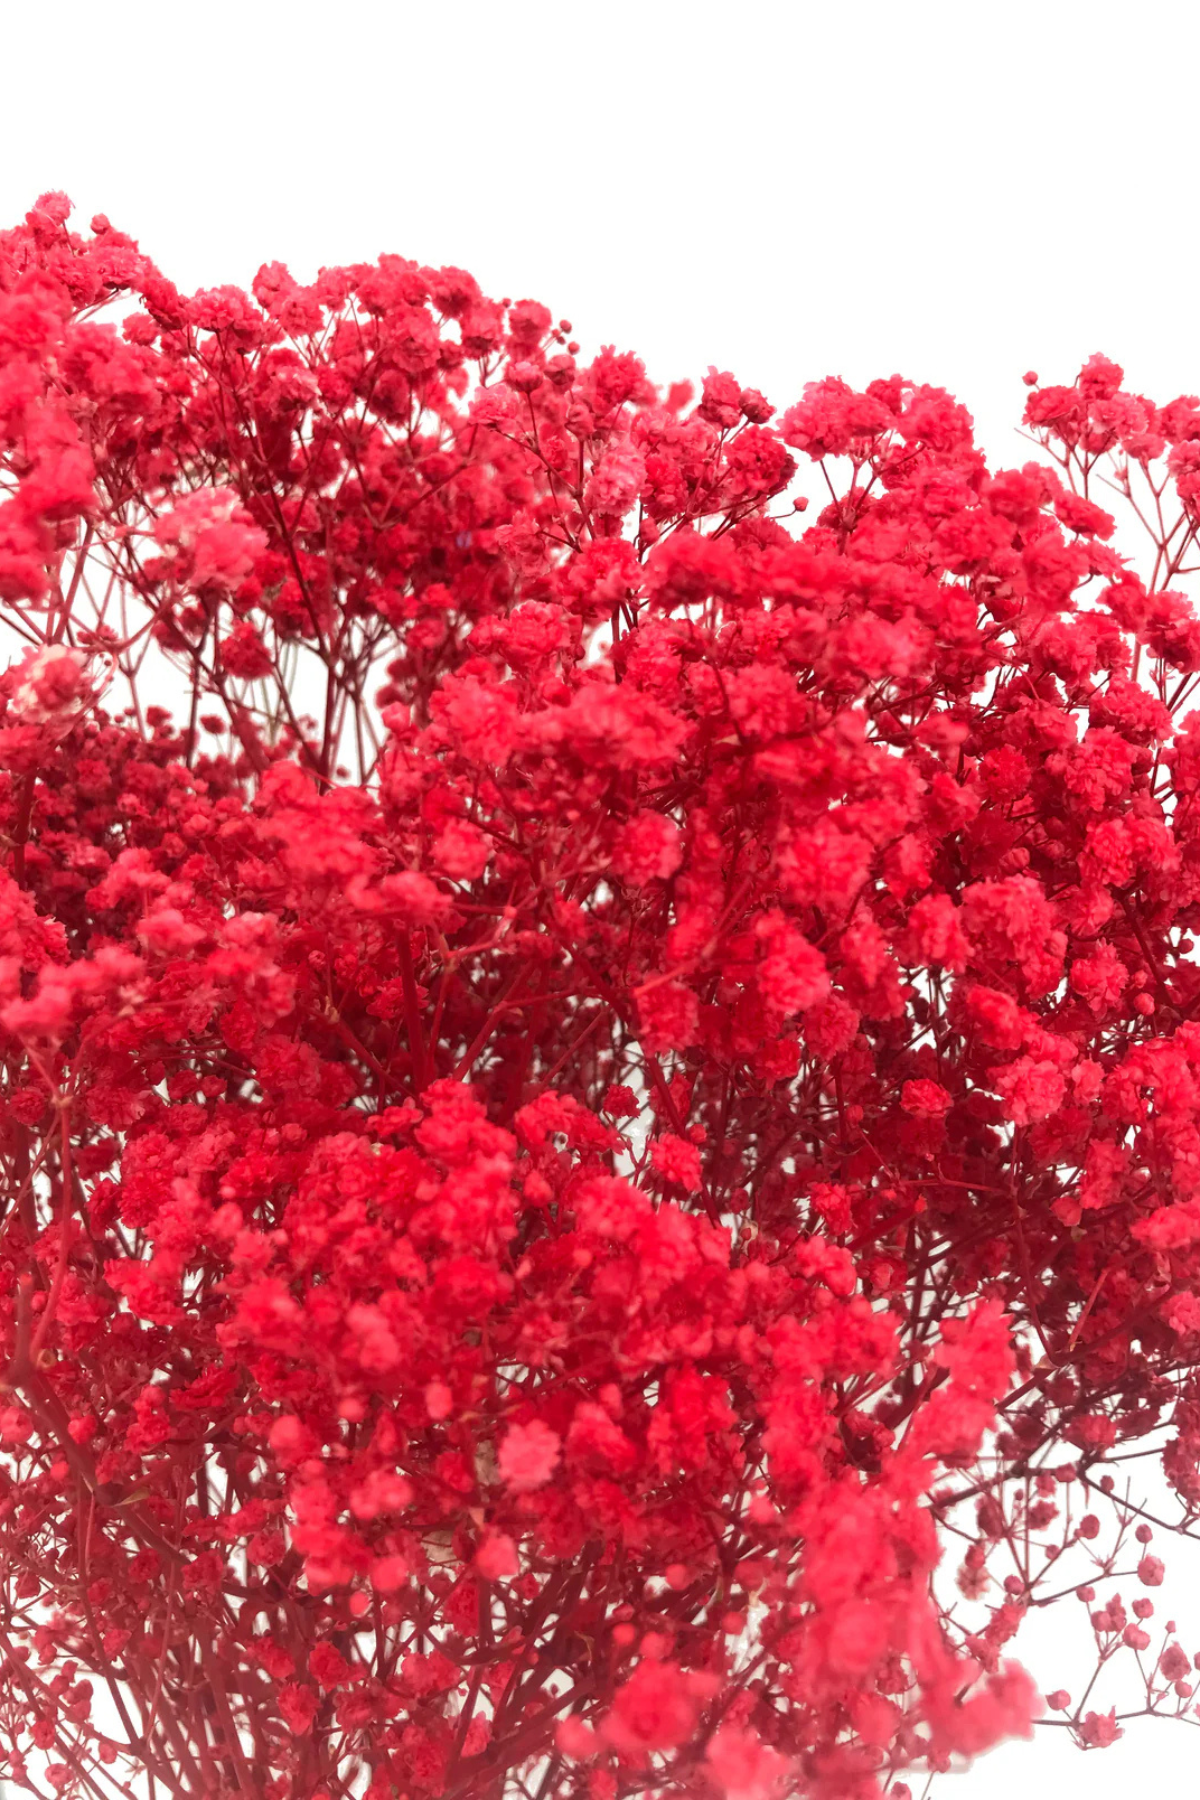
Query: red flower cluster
x,y
595,1066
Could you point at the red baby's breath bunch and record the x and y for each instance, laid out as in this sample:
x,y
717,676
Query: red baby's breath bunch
x,y
593,1073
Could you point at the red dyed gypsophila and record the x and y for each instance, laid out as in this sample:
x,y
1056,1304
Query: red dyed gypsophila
x,y
534,1188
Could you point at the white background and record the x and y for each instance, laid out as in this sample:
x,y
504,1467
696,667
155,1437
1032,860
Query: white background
x,y
956,192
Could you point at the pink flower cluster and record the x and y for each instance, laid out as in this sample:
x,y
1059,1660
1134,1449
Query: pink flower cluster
x,y
558,1032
